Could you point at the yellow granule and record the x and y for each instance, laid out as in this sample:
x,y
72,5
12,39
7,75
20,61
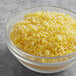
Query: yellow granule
x,y
47,34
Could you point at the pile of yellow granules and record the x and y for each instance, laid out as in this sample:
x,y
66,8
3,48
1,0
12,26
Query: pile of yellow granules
x,y
46,34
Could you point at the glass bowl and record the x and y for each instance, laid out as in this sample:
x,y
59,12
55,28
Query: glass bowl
x,y
36,63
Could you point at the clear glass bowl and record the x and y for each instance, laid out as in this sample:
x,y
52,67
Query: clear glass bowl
x,y
36,63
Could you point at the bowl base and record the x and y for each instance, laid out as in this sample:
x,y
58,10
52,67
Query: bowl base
x,y
45,71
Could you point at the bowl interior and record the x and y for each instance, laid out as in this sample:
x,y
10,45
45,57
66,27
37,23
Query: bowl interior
x,y
20,16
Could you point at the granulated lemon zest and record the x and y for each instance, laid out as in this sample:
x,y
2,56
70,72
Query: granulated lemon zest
x,y
48,34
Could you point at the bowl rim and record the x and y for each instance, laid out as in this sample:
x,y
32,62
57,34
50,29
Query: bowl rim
x,y
9,41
